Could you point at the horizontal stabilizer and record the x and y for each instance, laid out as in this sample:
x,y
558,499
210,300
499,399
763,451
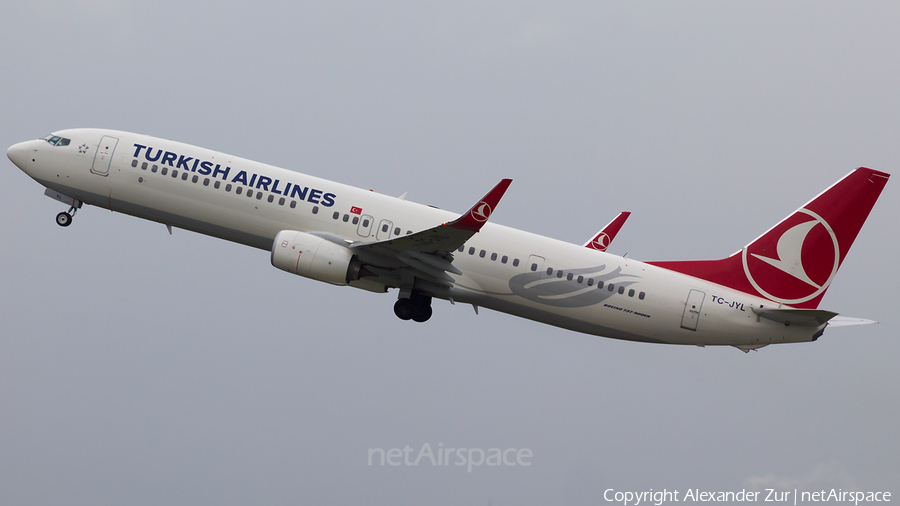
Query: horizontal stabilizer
x,y
791,316
846,321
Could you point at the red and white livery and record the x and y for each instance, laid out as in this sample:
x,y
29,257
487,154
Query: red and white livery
x,y
767,292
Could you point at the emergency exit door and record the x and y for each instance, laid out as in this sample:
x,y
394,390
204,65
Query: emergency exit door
x,y
692,310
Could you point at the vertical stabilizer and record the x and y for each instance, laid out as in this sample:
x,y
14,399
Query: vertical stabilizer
x,y
794,262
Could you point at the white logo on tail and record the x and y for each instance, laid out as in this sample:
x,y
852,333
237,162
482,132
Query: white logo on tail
x,y
789,249
601,242
482,212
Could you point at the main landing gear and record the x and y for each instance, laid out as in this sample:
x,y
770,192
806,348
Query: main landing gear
x,y
65,219
416,308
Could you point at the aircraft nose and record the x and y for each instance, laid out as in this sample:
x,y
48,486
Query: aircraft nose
x,y
18,154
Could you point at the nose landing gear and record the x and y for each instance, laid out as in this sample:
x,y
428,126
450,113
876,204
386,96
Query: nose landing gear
x,y
65,219
416,308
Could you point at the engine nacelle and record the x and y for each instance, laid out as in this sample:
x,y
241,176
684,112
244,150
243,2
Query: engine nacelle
x,y
313,257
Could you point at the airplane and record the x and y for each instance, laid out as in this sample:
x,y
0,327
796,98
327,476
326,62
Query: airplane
x,y
605,236
767,292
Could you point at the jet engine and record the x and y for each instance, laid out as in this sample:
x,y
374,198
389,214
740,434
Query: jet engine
x,y
313,257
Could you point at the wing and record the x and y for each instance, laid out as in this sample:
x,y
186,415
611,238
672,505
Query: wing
x,y
427,254
605,236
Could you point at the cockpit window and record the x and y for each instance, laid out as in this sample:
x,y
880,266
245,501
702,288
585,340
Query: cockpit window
x,y
56,140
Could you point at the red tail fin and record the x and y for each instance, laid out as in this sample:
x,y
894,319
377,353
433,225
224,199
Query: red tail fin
x,y
795,261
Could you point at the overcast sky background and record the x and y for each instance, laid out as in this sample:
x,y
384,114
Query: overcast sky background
x,y
142,368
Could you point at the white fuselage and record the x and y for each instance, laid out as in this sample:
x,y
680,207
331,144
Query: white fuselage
x,y
520,285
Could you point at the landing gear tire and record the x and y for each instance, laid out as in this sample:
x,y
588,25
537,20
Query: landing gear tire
x,y
416,308
403,308
422,314
63,219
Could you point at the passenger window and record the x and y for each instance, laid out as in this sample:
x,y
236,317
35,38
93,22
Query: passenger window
x,y
534,268
193,179
549,269
641,295
569,277
384,228
631,293
408,232
336,215
250,193
461,249
281,201
184,176
590,281
206,181
153,169
482,253
346,218
271,198
493,257
611,287
621,290
471,251
134,163
259,195
504,259
217,185
580,279
238,190
559,274
397,231
293,204
315,210
365,223
355,220
600,284
516,263
174,174
228,187
164,171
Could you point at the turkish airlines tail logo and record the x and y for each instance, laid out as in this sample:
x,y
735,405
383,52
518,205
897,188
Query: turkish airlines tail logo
x,y
795,261
601,242
481,212
789,258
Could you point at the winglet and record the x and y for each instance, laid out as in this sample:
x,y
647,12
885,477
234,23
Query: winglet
x,y
602,240
478,215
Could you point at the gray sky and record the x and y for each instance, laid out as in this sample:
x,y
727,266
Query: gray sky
x,y
139,368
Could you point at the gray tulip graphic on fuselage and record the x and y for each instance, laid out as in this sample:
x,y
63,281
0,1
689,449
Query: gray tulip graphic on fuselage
x,y
558,290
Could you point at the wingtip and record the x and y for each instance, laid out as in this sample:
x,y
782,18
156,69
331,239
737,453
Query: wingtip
x,y
478,214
